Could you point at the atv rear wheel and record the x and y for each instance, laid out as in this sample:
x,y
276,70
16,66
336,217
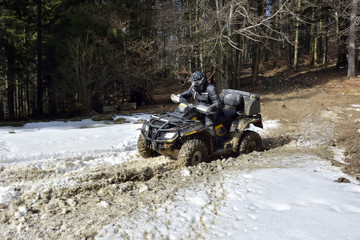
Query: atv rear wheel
x,y
144,151
192,152
250,141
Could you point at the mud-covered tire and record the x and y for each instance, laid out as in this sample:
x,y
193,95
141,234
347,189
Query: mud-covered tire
x,y
144,151
192,152
250,141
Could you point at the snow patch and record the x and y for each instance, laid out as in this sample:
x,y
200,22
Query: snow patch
x,y
267,125
185,172
339,154
67,146
356,107
7,194
280,203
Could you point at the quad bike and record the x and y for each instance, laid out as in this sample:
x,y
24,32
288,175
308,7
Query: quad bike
x,y
182,134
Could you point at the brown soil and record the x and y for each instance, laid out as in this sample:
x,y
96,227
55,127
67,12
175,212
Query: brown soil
x,y
327,103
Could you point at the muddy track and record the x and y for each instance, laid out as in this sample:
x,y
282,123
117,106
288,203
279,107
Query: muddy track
x,y
116,190
105,193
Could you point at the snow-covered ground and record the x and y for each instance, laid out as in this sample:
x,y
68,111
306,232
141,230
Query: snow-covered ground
x,y
275,203
287,196
88,141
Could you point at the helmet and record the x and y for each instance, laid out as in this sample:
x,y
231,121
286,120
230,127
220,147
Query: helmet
x,y
198,80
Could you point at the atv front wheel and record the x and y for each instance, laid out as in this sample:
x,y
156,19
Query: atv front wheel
x,y
250,141
144,151
192,152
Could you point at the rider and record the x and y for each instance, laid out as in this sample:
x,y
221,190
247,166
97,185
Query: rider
x,y
206,93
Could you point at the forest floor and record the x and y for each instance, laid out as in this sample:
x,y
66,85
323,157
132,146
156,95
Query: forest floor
x,y
320,100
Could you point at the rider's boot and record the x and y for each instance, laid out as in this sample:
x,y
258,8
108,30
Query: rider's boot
x,y
214,138
215,142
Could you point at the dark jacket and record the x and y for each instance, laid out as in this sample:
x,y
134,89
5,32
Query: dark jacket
x,y
207,96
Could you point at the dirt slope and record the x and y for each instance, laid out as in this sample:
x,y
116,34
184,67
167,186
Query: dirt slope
x,y
326,111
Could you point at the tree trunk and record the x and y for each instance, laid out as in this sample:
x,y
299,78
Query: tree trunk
x,y
342,60
256,47
352,38
2,116
296,46
338,38
236,64
52,96
325,54
288,45
190,35
27,93
230,51
222,76
17,98
255,63
316,44
39,59
312,38
196,20
10,55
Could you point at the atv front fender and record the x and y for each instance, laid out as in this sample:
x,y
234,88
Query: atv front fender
x,y
203,135
242,125
245,123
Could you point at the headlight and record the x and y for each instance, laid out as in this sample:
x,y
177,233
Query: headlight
x,y
182,107
146,127
169,135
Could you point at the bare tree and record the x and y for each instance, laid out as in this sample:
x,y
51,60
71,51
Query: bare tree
x,y
84,71
218,32
39,59
296,45
352,39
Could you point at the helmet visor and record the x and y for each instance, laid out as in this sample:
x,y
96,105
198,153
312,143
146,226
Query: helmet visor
x,y
196,83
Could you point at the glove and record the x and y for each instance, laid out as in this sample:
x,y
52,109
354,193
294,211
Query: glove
x,y
213,108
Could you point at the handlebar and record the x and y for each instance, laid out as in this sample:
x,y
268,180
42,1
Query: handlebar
x,y
201,108
177,99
